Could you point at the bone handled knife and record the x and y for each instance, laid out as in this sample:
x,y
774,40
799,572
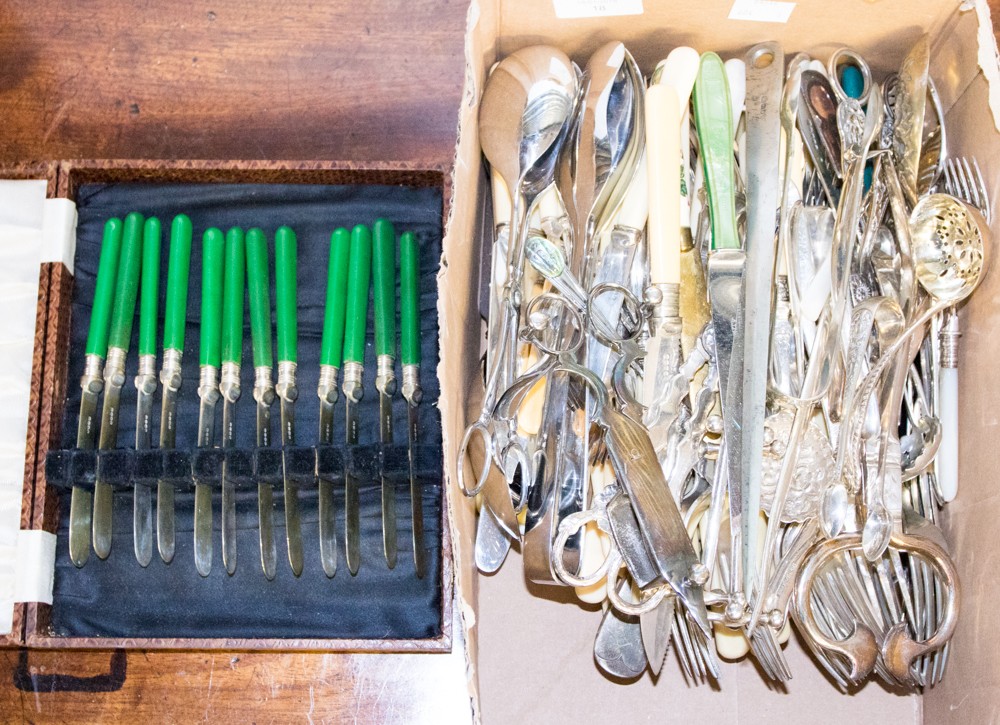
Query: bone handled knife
x,y
409,351
331,358
210,359
145,385
233,293
174,323
263,386
285,256
119,338
384,285
726,263
358,281
92,383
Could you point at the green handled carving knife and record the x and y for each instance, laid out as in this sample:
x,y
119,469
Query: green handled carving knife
x,y
174,323
331,357
263,386
210,359
145,385
285,255
122,317
92,383
359,279
384,283
234,288
409,349
726,265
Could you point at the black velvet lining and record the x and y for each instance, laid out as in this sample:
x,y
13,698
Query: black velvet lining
x,y
117,597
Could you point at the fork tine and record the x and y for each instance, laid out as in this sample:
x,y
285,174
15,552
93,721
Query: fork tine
x,y
981,184
969,183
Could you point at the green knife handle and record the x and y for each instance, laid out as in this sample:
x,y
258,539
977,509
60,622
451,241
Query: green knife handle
x,y
332,347
713,118
357,294
285,258
409,299
179,265
234,289
107,271
384,282
260,297
149,292
127,285
212,249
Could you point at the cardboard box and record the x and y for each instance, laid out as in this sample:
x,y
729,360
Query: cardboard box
x,y
531,647
52,378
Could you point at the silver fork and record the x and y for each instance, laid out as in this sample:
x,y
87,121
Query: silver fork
x,y
964,179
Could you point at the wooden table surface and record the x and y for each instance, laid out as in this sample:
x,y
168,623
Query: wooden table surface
x,y
226,79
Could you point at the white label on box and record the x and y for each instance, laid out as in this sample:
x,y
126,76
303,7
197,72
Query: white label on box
x,y
596,8
764,11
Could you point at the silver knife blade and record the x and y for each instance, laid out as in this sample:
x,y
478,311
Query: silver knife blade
x,y
142,503
103,493
327,509
763,142
265,496
165,534
725,283
637,469
228,490
352,502
203,492
416,494
293,519
81,500
389,537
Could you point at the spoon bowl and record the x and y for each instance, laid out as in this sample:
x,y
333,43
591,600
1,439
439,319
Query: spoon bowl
x,y
949,246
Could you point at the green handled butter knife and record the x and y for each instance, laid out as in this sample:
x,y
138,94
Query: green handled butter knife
x,y
145,385
122,317
331,358
359,279
409,348
263,386
210,359
92,383
234,289
384,283
285,256
174,323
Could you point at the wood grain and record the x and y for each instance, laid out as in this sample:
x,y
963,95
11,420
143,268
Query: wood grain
x,y
227,79
232,688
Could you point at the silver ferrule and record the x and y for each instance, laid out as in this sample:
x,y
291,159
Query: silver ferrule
x,y
92,380
114,368
230,384
353,388
145,381
781,288
412,391
170,373
501,230
327,388
948,337
208,383
664,300
624,236
263,386
286,388
385,374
